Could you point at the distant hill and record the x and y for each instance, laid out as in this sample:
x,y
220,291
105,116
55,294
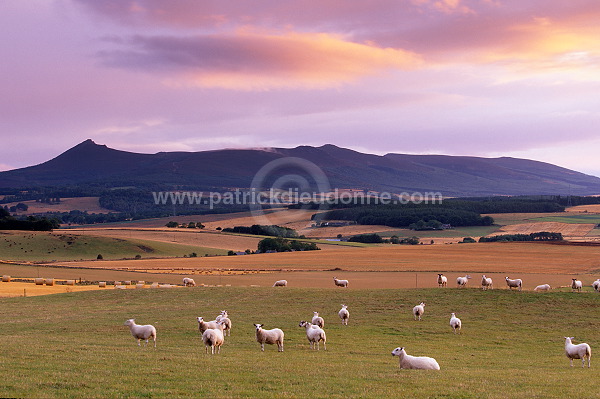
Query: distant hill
x,y
97,165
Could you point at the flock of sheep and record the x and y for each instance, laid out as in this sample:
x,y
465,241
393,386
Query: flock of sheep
x,y
214,332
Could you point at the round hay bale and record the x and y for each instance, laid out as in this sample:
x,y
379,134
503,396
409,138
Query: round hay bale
x,y
102,284
127,282
139,285
154,285
39,281
49,282
117,283
70,282
6,279
141,282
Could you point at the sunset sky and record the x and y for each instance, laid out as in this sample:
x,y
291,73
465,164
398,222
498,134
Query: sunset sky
x,y
486,78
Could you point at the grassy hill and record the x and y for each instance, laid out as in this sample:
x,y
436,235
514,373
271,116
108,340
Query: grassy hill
x,y
44,246
511,346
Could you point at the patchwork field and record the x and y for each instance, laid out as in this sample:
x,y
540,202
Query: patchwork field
x,y
85,351
84,204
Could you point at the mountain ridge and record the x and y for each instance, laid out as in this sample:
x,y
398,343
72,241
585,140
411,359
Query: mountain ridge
x,y
88,163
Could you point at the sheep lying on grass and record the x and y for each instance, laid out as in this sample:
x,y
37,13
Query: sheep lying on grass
x,y
576,285
486,283
442,280
415,362
580,351
455,323
543,287
140,332
462,281
205,325
314,334
280,283
344,314
318,320
419,310
340,283
214,338
189,282
516,283
274,336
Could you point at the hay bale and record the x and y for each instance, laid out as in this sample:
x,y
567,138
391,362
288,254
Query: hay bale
x,y
117,283
39,281
120,287
49,282
154,285
6,279
70,282
139,285
102,284
127,282
141,282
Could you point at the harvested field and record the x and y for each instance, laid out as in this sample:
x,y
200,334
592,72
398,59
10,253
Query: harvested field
x,y
594,208
566,229
14,289
84,204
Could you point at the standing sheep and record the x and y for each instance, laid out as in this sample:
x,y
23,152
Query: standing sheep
x,y
318,320
596,285
205,325
344,314
462,281
580,351
340,283
419,310
455,323
442,280
516,283
213,337
280,283
314,334
415,362
140,332
189,282
576,285
486,283
274,336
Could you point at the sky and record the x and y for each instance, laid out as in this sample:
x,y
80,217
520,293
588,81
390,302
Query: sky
x,y
487,78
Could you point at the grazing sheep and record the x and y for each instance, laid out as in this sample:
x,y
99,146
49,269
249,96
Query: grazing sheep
x,y
226,325
213,337
455,323
415,362
205,325
140,332
442,280
314,334
344,314
543,287
340,283
189,282
576,285
419,310
274,336
486,283
580,351
318,320
280,283
516,283
596,285
462,281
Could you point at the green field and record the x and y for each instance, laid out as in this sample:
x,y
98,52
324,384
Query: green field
x,y
470,231
75,345
579,218
40,246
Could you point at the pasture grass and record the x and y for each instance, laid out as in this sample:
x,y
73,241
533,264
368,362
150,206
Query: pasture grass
x,y
75,345
573,218
44,246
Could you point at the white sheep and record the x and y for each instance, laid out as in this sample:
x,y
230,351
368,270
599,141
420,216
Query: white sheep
x,y
226,321
455,323
340,283
462,281
580,351
318,320
140,332
415,362
442,280
344,314
205,325
280,283
274,336
214,338
486,283
596,285
314,334
419,310
189,282
222,315
516,283
543,287
576,285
